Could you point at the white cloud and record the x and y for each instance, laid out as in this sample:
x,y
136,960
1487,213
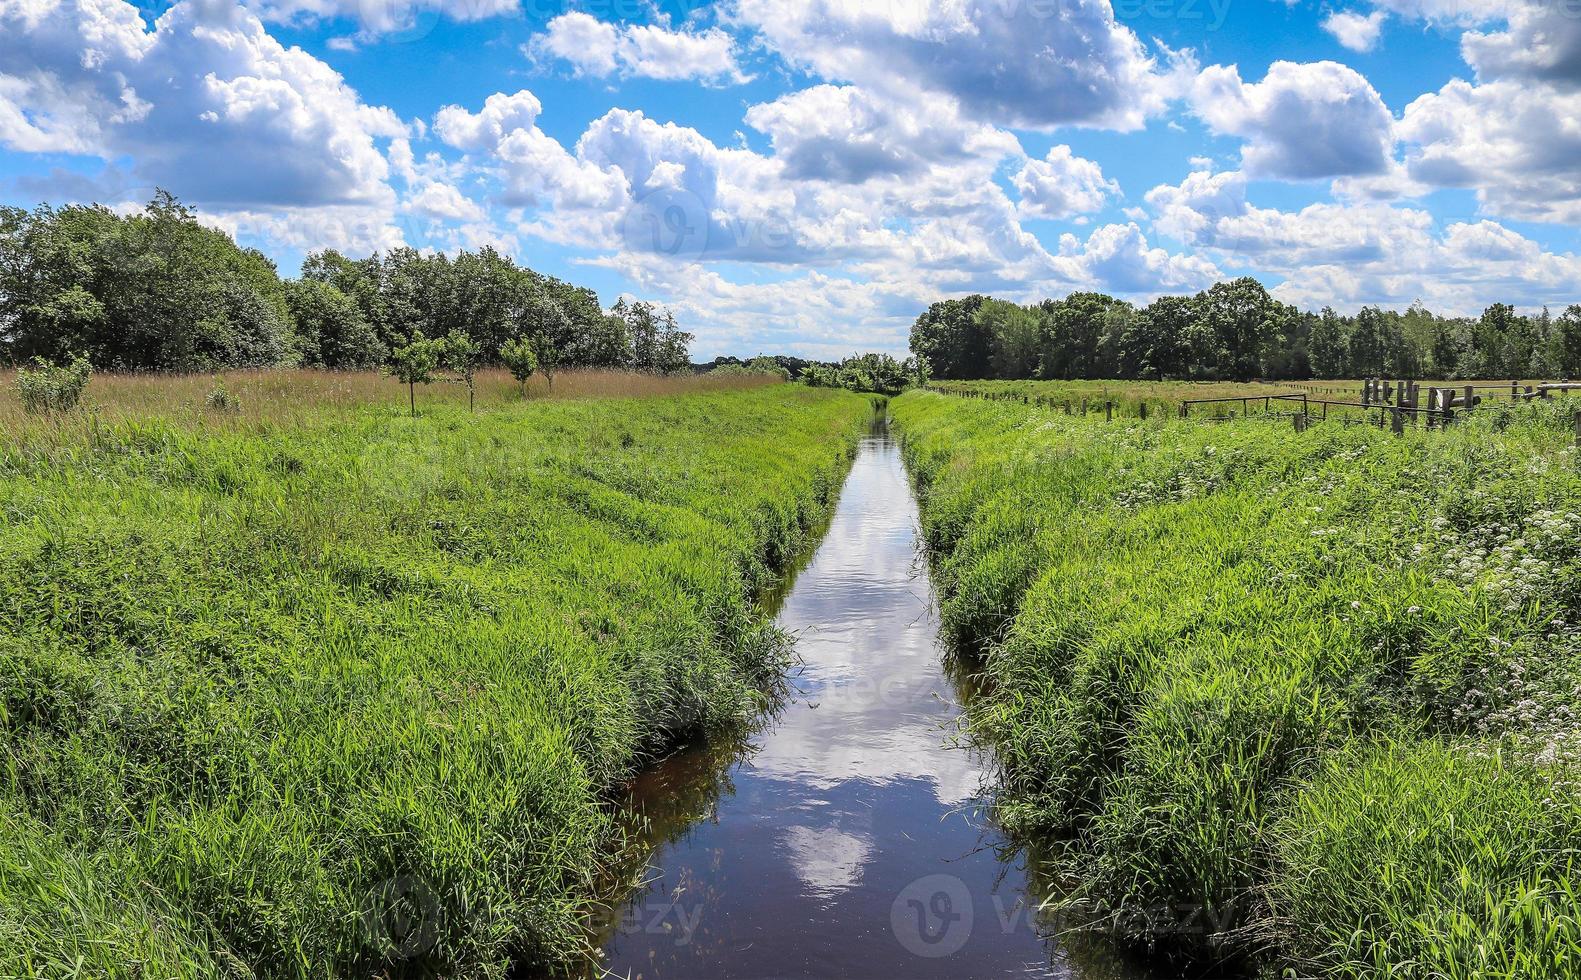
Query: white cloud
x,y
1301,121
207,104
1117,258
847,134
1353,255
1010,64
1517,144
1358,32
435,199
583,40
1542,42
594,47
1062,185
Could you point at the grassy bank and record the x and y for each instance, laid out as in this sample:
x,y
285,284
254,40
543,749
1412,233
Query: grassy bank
x,y
1309,698
341,694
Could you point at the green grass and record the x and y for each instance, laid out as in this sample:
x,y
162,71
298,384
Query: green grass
x,y
345,696
1311,698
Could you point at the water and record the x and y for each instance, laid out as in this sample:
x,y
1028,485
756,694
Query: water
x,y
843,838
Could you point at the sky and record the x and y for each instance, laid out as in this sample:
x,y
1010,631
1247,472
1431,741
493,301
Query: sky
x,y
806,176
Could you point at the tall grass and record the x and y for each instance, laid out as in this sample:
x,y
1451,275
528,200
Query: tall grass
x,y
1310,696
283,395
341,693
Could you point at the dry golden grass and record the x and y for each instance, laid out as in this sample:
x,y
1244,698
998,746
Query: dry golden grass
x,y
281,395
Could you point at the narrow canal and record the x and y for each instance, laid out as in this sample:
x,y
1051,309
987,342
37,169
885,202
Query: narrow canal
x,y
844,838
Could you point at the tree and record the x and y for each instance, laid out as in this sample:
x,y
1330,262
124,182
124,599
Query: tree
x,y
1012,333
1567,342
1073,337
951,340
152,290
331,331
1327,345
1156,339
1490,343
414,362
464,356
361,281
519,356
1235,321
1366,349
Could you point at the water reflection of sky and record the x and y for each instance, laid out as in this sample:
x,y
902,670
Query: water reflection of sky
x,y
855,793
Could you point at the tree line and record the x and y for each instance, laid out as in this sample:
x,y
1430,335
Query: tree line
x,y
156,290
1235,331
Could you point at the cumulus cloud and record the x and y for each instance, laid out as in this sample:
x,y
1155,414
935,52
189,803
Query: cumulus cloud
x,y
1010,64
1117,258
206,103
1349,255
846,134
599,49
1301,121
1358,32
1542,42
1518,145
1062,185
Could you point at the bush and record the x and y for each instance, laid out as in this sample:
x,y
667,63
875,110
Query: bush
x,y
47,387
220,398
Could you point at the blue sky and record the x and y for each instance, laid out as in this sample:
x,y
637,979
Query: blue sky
x,y
804,176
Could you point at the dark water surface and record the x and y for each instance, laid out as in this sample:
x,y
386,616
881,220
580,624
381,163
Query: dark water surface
x,y
843,839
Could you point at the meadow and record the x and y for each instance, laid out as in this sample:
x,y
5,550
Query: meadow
x,y
310,688
281,395
1128,397
1307,700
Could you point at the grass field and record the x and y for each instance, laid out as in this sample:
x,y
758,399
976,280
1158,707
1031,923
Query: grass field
x,y
329,691
1307,698
1167,396
290,394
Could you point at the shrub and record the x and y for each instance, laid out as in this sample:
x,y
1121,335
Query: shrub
x,y
221,399
47,387
519,356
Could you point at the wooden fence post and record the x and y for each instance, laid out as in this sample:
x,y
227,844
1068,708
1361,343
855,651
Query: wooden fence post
x,y
1142,409
1471,398
1397,420
1108,411
1084,407
1578,427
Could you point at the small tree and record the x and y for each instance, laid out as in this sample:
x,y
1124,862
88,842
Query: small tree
x,y
414,364
463,355
47,387
548,359
521,359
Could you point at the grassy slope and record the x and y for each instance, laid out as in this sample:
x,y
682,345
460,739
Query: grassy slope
x,y
1320,690
266,689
